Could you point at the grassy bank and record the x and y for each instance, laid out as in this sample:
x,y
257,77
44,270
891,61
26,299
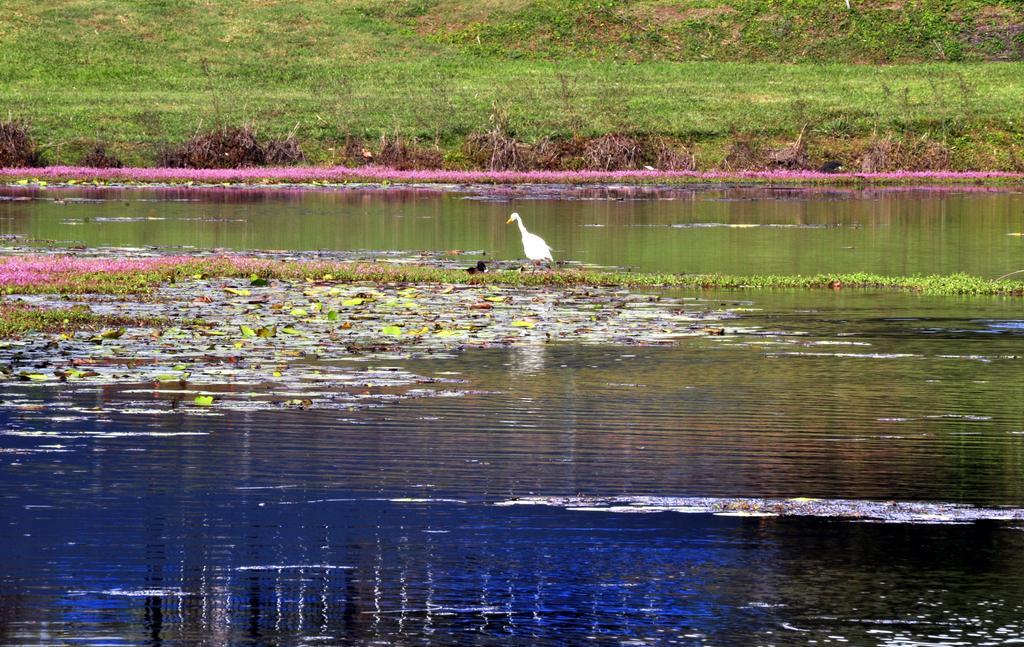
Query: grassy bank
x,y
145,77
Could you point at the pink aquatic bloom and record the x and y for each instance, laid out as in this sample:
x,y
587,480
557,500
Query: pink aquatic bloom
x,y
50,269
33,269
341,174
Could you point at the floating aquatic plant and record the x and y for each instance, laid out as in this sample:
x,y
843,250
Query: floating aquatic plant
x,y
36,274
277,334
230,331
18,319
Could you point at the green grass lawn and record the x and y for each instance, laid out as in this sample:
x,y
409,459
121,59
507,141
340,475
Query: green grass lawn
x,y
150,74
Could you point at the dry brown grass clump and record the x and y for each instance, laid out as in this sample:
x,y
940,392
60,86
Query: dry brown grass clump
x,y
745,154
17,148
498,149
405,154
616,152
558,154
495,151
229,147
284,152
889,154
356,152
792,156
232,147
98,157
671,158
393,150
880,155
1015,161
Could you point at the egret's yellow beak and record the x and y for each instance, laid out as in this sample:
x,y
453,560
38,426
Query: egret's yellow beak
x,y
509,221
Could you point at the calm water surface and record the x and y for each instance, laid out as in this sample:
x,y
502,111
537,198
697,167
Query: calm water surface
x,y
740,231
379,527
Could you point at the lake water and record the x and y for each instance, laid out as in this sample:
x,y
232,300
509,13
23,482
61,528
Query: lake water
x,y
739,231
389,526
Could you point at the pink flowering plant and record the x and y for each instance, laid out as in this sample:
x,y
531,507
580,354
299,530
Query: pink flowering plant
x,y
65,274
377,174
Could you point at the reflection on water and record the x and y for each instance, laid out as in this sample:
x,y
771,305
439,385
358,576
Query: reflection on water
x,y
380,525
702,229
121,525
528,359
361,571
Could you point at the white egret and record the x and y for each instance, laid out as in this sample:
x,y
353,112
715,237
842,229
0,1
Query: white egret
x,y
533,245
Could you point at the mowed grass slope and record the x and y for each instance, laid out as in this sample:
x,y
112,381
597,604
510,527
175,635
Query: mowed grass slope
x,y
145,75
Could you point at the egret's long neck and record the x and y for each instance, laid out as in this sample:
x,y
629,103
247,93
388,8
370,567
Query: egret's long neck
x,y
522,229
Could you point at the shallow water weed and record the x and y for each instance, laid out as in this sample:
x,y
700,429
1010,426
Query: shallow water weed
x,y
269,331
280,342
62,274
17,318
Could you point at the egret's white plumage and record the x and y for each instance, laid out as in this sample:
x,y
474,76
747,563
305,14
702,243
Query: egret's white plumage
x,y
533,245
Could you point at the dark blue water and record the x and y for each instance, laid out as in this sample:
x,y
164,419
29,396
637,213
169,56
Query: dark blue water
x,y
243,568
380,526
